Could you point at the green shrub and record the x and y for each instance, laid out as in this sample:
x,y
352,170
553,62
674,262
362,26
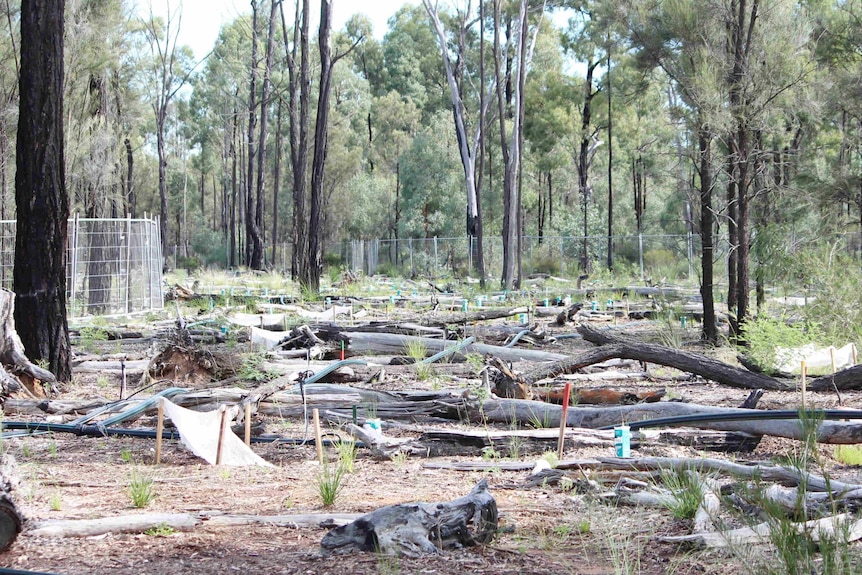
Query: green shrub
x,y
764,335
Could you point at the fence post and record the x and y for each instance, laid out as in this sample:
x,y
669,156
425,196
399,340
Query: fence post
x,y
128,259
436,264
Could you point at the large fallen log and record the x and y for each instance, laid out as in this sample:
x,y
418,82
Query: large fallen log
x,y
511,411
625,348
386,343
415,528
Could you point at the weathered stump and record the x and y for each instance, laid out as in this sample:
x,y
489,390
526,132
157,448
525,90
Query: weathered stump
x,y
412,529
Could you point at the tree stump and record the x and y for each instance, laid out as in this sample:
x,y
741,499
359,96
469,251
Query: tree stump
x,y
412,529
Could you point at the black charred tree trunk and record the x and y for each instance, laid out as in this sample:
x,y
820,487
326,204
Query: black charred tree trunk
x,y
299,85
39,276
313,267
584,152
131,199
710,333
254,241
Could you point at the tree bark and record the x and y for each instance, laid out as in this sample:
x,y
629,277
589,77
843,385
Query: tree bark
x,y
39,275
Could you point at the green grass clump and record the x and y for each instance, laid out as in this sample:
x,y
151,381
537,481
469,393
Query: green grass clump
x,y
141,490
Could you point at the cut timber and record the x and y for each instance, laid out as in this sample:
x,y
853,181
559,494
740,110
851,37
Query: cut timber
x,y
12,350
699,364
415,528
120,524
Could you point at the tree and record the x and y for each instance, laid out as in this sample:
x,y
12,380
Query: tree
x,y
469,147
39,276
172,67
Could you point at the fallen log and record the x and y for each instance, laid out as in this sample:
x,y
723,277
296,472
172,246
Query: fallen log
x,y
520,411
413,529
844,380
849,528
386,343
119,524
472,317
625,348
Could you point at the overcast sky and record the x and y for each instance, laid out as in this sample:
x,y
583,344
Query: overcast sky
x,y
202,19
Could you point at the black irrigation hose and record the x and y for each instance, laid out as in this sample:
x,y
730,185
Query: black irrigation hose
x,y
4,571
754,415
102,431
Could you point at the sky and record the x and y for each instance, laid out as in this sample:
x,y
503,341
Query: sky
x,y
202,19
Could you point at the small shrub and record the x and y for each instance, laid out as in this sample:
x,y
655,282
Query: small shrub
x,y
764,335
56,502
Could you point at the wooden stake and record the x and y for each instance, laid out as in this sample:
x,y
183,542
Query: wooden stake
x,y
804,385
221,431
160,428
318,441
565,413
248,424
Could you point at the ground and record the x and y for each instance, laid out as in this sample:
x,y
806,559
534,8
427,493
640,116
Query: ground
x,y
544,530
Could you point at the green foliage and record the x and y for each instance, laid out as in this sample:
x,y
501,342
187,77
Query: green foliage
x,y
89,336
141,489
687,490
538,421
331,480
56,502
251,368
346,450
399,458
160,530
764,335
849,454
417,351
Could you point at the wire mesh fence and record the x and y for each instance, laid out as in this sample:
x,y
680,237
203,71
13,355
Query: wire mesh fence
x,y
113,266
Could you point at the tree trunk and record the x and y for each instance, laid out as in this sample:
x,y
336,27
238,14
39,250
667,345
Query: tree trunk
x,y
131,199
313,265
298,105
254,242
276,184
584,161
264,124
39,275
710,331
